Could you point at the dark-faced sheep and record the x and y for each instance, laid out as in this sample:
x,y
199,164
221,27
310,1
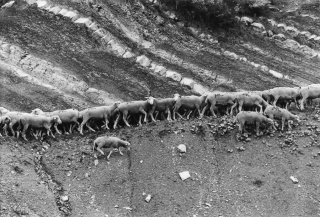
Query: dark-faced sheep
x,y
110,142
4,120
101,112
244,117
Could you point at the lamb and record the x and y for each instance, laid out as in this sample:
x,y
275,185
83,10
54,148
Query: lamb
x,y
39,121
249,99
101,112
163,105
66,116
309,92
244,117
283,114
4,120
134,107
110,142
287,94
189,102
218,98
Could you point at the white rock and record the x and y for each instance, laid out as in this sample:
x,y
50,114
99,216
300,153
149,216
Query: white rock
x,y
275,74
292,44
265,68
312,37
160,70
42,3
100,33
71,14
317,38
258,26
92,90
305,33
294,180
292,29
246,20
30,2
282,25
143,61
128,54
173,75
55,10
8,5
84,20
94,27
199,89
63,12
182,148
187,82
272,22
64,198
146,44
280,37
184,175
118,48
148,198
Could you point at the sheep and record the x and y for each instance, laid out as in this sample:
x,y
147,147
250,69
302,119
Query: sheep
x,y
309,92
189,102
4,120
66,116
249,99
251,117
101,112
287,94
163,105
283,114
15,119
110,142
218,98
3,111
38,121
134,107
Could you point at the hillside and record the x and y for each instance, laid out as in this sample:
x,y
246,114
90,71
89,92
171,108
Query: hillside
x,y
61,54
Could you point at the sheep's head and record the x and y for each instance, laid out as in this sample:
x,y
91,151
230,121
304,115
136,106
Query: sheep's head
x,y
176,96
6,120
37,111
56,119
150,100
117,104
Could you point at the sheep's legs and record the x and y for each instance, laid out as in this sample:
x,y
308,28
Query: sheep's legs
x,y
116,122
203,111
233,106
56,128
283,122
124,117
169,115
257,128
301,104
98,148
188,115
109,154
120,151
106,124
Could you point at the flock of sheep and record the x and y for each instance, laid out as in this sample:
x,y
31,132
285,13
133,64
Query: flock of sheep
x,y
272,104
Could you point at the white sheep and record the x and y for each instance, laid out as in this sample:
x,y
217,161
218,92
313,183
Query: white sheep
x,y
165,105
286,94
38,121
66,116
244,117
218,98
309,92
280,113
249,99
188,102
101,112
110,142
134,107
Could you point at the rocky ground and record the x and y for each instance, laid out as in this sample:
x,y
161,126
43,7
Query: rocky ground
x,y
61,54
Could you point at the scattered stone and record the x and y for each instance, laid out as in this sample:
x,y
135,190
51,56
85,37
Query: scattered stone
x,y
86,175
230,150
148,198
141,161
69,173
184,175
116,206
241,148
64,198
182,148
96,162
248,140
294,180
